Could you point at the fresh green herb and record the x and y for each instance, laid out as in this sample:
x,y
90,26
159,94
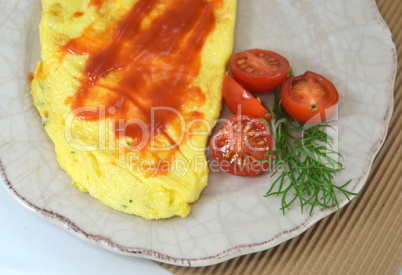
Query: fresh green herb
x,y
291,72
305,163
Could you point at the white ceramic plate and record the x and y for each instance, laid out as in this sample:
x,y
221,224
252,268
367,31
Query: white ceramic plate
x,y
346,40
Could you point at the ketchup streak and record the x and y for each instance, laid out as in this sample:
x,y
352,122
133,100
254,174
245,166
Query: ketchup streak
x,y
96,3
78,14
155,66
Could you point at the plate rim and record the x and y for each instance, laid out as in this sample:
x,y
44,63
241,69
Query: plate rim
x,y
236,250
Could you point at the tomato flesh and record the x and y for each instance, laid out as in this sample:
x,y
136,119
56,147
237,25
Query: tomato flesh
x,y
241,146
259,70
309,98
240,101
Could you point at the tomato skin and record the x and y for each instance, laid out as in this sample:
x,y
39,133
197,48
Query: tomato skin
x,y
240,101
258,70
309,98
241,145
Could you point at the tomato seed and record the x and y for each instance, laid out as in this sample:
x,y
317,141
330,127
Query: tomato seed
x,y
247,128
239,162
222,143
241,61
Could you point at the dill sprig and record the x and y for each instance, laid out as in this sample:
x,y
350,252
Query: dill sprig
x,y
305,163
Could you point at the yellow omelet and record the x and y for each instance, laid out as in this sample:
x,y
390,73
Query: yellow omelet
x,y
129,91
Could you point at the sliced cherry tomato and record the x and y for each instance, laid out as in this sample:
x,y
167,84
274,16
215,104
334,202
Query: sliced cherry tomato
x,y
240,101
309,98
259,70
241,145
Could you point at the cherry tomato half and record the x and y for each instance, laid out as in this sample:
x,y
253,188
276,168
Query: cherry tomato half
x,y
241,145
309,98
240,101
259,70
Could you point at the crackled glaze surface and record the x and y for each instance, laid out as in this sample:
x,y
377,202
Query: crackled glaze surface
x,y
345,40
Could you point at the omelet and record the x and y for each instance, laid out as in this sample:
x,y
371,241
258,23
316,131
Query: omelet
x,y
129,91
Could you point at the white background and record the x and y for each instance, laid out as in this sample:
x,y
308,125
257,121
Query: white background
x,y
31,245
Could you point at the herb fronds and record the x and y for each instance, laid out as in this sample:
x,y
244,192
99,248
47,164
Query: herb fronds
x,y
305,163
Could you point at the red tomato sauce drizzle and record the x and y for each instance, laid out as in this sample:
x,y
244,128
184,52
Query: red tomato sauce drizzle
x,y
155,65
96,3
78,14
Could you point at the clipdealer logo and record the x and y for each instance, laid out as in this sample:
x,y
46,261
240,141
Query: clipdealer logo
x,y
107,139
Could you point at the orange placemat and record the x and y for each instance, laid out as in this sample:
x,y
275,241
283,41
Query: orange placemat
x,y
368,238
